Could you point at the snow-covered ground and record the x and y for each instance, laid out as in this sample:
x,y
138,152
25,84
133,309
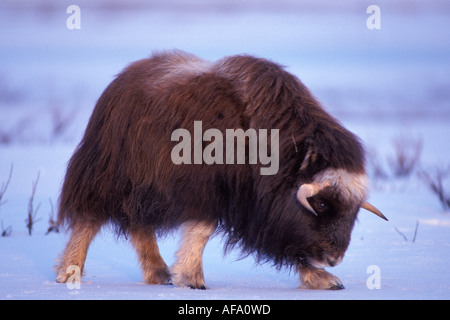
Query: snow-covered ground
x,y
382,84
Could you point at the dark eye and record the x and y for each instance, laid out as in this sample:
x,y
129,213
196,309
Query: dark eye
x,y
321,205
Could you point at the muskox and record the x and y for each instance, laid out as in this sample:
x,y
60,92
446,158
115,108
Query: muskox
x,y
123,174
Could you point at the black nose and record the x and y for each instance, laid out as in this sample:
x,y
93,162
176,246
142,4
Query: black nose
x,y
331,261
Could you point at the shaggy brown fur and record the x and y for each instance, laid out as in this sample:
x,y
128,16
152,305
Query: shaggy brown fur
x,y
121,172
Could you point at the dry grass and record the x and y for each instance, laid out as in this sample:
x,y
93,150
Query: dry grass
x,y
435,182
401,163
407,152
23,129
5,232
32,211
53,224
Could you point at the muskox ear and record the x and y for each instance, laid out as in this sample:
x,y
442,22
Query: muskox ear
x,y
310,157
304,192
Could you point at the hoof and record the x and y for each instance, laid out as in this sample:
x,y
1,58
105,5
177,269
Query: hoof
x,y
314,278
189,281
158,276
336,286
63,274
201,287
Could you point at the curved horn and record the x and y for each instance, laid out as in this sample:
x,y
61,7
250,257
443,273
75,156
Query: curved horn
x,y
306,191
374,210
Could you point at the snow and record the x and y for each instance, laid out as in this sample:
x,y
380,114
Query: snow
x,y
382,84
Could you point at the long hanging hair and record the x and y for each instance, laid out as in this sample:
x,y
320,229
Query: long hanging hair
x,y
121,172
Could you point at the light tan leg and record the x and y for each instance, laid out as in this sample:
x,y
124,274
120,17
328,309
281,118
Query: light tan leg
x,y
76,249
315,278
188,268
153,266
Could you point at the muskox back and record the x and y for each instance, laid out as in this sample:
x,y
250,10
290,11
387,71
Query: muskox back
x,y
122,171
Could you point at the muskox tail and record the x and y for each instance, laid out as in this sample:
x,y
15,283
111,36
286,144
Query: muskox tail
x,y
80,200
89,192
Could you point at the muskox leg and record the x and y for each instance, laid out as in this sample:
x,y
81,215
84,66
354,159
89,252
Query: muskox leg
x,y
188,268
316,278
76,250
153,266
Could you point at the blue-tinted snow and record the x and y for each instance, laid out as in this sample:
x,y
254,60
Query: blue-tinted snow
x,y
382,84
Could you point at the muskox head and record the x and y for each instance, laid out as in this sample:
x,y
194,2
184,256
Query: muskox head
x,y
332,201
